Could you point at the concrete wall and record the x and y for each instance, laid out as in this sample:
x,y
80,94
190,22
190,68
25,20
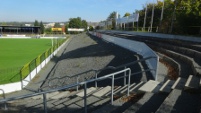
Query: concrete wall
x,y
134,46
8,88
158,35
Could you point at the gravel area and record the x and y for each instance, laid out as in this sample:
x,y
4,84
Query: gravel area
x,y
84,53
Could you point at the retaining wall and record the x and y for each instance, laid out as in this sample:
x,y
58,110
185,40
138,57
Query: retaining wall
x,y
138,47
172,62
158,35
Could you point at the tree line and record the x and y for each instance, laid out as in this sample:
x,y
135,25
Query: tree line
x,y
73,23
173,17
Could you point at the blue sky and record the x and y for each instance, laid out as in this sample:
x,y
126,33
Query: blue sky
x,y
62,10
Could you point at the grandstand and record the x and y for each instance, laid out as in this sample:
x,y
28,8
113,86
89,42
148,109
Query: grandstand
x,y
5,30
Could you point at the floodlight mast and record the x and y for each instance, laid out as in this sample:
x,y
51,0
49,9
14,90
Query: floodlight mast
x,y
162,11
145,18
173,15
152,17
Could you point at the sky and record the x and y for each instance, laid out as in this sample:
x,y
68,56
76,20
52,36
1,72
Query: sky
x,y
62,10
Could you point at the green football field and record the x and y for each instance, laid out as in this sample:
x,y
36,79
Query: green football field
x,y
15,53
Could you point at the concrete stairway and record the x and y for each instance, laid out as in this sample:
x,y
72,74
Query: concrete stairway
x,y
167,97
173,96
148,97
149,103
183,98
66,101
122,103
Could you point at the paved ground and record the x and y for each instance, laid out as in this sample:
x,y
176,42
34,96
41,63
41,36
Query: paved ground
x,y
82,53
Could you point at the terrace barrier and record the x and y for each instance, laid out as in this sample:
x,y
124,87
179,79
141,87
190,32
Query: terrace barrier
x,y
138,47
29,71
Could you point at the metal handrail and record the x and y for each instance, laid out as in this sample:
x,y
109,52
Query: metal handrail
x,y
5,106
41,92
74,85
97,71
147,70
69,77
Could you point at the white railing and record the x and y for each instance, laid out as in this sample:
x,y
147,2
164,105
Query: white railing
x,y
135,46
44,93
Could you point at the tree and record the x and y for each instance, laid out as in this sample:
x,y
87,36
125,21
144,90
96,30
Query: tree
x,y
188,17
127,14
57,25
3,23
75,23
78,23
91,28
66,27
36,23
48,30
42,28
84,24
167,16
112,17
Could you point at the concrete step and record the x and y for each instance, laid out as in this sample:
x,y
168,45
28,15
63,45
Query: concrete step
x,y
48,96
75,103
90,100
149,103
65,105
179,84
168,104
61,95
55,101
179,101
192,82
135,107
136,87
96,105
27,105
166,88
151,86
117,91
108,108
102,92
195,67
89,90
109,93
126,89
55,95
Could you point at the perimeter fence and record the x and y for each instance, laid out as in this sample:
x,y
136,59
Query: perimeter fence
x,y
19,73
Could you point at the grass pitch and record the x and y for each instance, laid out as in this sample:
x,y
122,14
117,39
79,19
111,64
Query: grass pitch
x,y
14,53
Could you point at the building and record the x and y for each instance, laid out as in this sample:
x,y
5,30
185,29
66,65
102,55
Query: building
x,y
19,30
